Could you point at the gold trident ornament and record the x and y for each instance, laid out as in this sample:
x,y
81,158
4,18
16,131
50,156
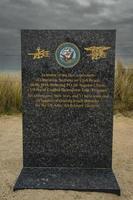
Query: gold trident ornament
x,y
40,53
97,52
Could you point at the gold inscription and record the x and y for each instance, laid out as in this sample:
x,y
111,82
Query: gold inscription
x,y
67,90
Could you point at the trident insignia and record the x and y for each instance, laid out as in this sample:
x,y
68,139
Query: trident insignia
x,y
97,52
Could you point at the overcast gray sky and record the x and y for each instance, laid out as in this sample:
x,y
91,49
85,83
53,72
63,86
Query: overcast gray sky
x,y
58,14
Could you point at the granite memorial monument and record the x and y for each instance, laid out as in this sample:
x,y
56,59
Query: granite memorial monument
x,y
67,88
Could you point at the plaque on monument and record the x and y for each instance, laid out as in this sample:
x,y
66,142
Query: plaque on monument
x,y
67,88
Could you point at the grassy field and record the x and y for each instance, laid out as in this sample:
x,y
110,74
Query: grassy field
x,y
10,94
123,98
10,91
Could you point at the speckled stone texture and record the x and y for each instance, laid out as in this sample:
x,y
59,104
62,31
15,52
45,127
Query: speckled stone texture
x,y
68,148
81,179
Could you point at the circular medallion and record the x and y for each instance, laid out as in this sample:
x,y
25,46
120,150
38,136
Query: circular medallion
x,y
67,55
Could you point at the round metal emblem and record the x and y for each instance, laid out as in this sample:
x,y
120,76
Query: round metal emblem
x,y
67,55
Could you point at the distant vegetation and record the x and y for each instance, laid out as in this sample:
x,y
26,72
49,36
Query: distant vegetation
x,y
10,91
10,94
123,88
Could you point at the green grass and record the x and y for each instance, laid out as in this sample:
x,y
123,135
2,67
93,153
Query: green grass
x,y
10,91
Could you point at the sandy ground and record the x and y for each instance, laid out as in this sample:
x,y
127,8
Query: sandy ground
x,y
11,164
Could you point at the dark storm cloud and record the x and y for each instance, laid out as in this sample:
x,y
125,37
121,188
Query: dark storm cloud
x,y
59,14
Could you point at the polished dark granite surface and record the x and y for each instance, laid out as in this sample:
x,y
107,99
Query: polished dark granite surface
x,y
80,179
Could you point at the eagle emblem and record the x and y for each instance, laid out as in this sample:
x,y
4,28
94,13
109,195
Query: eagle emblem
x,y
97,52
